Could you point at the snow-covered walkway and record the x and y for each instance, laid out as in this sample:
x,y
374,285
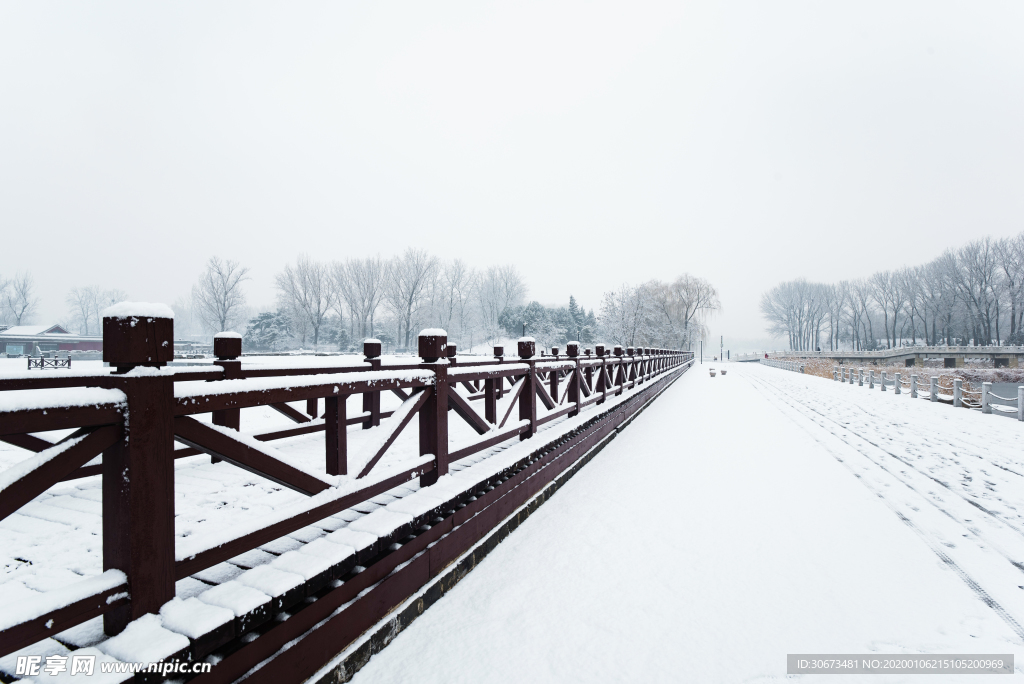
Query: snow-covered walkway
x,y
739,519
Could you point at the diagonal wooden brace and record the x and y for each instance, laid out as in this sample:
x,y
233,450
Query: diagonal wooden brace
x,y
52,464
216,443
461,407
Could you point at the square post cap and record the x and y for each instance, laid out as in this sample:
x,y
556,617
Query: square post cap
x,y
618,350
451,350
433,344
527,347
587,351
599,349
227,346
554,351
371,348
499,351
572,349
630,351
138,334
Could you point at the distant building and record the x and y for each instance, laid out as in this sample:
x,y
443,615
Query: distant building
x,y
40,339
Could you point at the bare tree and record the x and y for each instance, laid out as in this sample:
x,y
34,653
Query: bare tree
x,y
4,286
217,298
796,309
1009,254
186,327
626,314
19,298
889,291
361,283
307,292
84,301
409,277
455,289
682,308
499,288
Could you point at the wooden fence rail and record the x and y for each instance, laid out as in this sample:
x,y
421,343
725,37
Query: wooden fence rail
x,y
133,415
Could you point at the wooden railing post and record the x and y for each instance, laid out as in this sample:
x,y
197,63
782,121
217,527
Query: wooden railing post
x,y
434,414
588,372
227,347
499,354
492,390
138,472
528,395
620,370
553,378
572,350
371,400
602,380
336,429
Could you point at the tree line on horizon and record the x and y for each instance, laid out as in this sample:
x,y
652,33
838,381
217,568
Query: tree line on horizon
x,y
334,305
972,295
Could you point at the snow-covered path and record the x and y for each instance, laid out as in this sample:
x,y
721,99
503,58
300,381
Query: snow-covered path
x,y
739,519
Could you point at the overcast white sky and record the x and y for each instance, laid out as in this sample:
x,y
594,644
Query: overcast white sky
x,y
589,143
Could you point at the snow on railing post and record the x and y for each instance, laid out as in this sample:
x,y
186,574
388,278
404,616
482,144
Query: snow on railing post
x,y
851,376
572,349
933,388
138,471
882,381
957,393
986,387
528,395
897,385
801,368
835,371
371,400
432,348
860,377
871,379
1020,402
913,387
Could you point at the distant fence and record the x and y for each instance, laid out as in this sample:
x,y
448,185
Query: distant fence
x,y
955,395
41,362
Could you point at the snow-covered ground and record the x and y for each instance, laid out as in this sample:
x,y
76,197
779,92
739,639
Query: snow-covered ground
x,y
738,519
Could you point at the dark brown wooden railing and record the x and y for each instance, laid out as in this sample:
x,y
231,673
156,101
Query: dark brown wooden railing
x,y
134,414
